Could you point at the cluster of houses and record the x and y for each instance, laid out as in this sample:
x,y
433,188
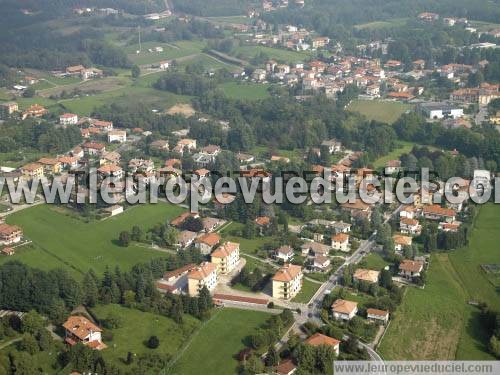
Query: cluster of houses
x,y
10,235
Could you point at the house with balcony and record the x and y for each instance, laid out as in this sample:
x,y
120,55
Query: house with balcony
x,y
226,257
205,275
80,329
287,282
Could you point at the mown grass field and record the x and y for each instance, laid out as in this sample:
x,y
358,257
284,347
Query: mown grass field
x,y
60,239
137,327
376,25
214,346
378,110
170,51
437,322
247,52
250,91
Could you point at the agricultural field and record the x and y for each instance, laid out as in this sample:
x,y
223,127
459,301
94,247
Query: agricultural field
x,y
383,111
211,350
249,91
131,336
437,322
59,238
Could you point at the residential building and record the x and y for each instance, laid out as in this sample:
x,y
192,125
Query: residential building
x,y
205,275
32,170
319,339
401,242
10,234
34,110
68,119
186,238
104,126
340,242
286,367
344,310
410,269
80,329
315,248
8,109
369,276
50,165
321,263
160,145
119,136
284,253
333,145
287,282
93,148
206,242
110,170
8,251
436,212
226,257
409,226
377,316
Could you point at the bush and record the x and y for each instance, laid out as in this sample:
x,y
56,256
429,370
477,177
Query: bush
x,y
270,305
153,342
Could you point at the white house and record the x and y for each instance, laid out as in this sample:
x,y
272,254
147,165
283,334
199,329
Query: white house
x,y
80,329
344,310
117,136
68,119
285,253
376,315
437,111
340,242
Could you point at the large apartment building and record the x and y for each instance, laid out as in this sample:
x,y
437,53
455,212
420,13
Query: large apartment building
x,y
226,257
203,275
287,281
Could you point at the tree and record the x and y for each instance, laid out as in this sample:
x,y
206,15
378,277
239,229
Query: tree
x,y
153,342
89,287
124,239
135,71
29,344
272,357
136,233
32,322
29,92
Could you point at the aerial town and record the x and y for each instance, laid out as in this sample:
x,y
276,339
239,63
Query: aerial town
x,y
157,91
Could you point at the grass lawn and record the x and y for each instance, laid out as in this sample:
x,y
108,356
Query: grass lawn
x,y
232,19
213,347
137,327
402,148
250,91
79,245
306,292
373,261
247,52
427,325
249,246
437,322
379,110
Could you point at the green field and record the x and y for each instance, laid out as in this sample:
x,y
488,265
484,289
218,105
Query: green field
x,y
395,22
402,148
60,239
379,110
232,19
212,348
373,261
306,292
170,51
247,52
137,327
437,322
250,91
